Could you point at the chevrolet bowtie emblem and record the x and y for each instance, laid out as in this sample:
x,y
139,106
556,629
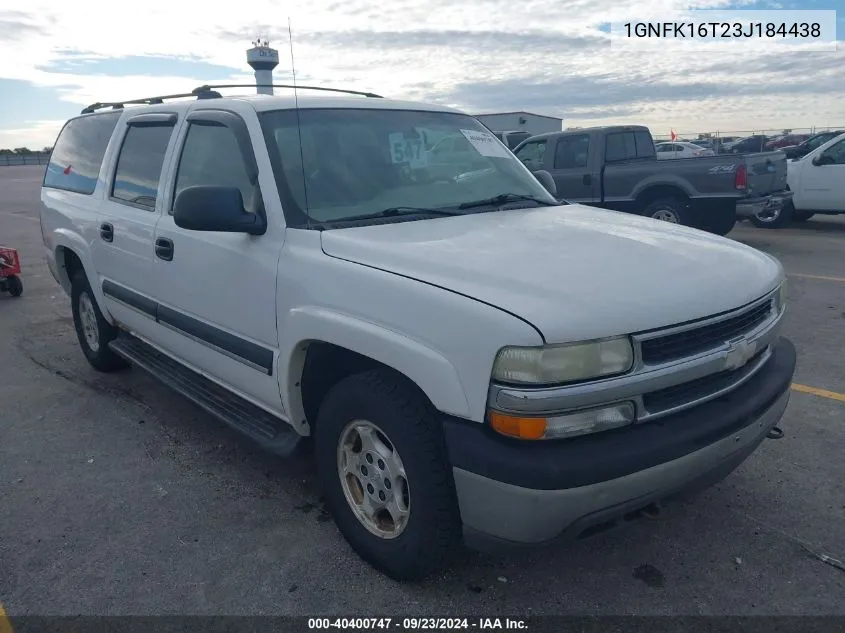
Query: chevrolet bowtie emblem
x,y
739,353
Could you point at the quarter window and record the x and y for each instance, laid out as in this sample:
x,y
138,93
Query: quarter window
x,y
77,156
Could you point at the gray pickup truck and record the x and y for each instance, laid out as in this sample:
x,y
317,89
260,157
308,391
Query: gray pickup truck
x,y
617,168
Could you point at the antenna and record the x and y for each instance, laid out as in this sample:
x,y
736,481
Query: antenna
x,y
298,123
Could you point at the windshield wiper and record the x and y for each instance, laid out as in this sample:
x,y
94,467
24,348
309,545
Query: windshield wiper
x,y
503,198
391,212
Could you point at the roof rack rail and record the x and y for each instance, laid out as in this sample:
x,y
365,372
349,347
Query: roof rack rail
x,y
371,95
199,93
210,92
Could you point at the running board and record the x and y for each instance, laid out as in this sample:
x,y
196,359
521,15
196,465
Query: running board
x,y
272,433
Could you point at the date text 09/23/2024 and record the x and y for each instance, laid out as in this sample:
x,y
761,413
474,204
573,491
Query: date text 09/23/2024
x,y
415,624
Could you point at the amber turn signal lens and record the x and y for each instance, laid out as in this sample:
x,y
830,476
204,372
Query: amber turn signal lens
x,y
522,428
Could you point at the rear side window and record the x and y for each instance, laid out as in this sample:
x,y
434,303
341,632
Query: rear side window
x,y
211,157
645,145
139,165
628,145
78,153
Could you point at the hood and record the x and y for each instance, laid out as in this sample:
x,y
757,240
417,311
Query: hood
x,y
574,272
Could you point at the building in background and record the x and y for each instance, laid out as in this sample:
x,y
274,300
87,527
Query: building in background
x,y
521,121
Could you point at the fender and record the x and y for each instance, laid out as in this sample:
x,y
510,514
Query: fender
x,y
74,242
426,367
663,180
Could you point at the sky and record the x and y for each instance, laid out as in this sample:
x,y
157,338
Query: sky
x,y
543,56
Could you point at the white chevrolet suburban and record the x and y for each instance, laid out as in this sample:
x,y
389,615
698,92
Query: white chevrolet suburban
x,y
468,358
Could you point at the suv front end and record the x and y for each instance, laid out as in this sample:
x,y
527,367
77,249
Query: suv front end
x,y
581,436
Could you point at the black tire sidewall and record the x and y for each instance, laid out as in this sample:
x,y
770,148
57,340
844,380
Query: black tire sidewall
x,y
103,359
14,285
433,519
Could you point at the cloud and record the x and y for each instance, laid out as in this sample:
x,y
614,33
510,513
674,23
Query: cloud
x,y
18,25
33,134
480,55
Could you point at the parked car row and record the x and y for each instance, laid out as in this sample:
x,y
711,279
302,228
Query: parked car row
x,y
617,168
811,143
679,149
763,179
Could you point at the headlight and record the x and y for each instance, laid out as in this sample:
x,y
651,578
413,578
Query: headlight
x,y
556,364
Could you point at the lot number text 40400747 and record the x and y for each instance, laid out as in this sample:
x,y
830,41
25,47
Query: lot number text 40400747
x,y
415,624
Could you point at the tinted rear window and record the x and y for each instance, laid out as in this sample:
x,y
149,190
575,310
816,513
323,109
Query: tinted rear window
x,y
78,153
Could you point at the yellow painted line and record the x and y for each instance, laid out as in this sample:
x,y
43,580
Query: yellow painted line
x,y
821,277
824,393
5,622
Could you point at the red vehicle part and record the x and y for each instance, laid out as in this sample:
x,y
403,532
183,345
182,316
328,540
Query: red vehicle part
x,y
10,268
10,263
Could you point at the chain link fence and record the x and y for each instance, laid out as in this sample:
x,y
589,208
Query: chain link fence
x,y
35,158
729,135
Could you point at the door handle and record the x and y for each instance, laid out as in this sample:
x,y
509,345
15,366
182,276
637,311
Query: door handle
x,y
164,249
106,232
587,179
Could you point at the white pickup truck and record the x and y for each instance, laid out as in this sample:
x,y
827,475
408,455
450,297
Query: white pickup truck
x,y
817,183
469,359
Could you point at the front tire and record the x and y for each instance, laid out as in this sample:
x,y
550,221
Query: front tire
x,y
92,329
386,478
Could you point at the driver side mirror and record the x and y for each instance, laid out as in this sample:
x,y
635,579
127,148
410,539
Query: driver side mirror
x,y
546,179
211,208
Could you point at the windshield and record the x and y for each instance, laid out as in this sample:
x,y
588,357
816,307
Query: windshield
x,y
814,141
357,162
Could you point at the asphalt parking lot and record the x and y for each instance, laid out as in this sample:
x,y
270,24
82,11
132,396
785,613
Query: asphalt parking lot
x,y
119,497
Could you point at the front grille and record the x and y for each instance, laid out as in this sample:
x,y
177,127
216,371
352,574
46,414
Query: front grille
x,y
689,342
676,395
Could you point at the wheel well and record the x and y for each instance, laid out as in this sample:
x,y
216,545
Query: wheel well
x,y
649,195
68,264
327,364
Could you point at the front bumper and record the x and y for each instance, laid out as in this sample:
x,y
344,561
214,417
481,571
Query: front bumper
x,y
512,492
749,207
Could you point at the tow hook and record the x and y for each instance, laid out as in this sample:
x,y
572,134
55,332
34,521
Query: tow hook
x,y
775,433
